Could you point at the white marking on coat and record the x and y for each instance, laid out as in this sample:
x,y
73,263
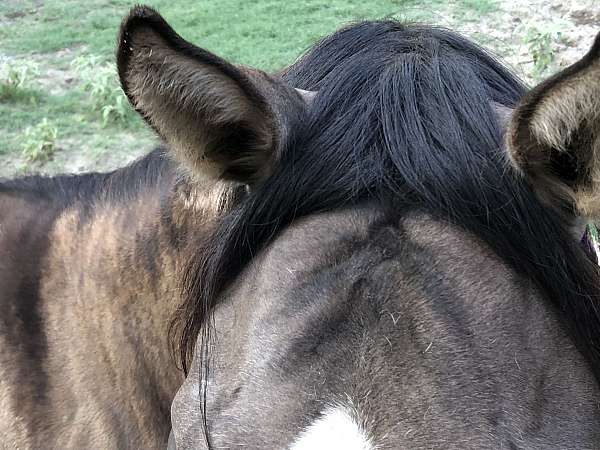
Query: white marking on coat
x,y
337,428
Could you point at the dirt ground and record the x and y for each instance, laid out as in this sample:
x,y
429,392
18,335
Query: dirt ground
x,y
577,21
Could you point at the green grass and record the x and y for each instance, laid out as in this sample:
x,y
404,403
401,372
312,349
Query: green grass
x,y
266,34
86,107
479,6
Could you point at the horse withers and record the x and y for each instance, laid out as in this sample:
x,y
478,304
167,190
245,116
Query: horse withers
x,y
376,260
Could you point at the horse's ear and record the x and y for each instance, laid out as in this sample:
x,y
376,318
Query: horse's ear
x,y
554,137
219,120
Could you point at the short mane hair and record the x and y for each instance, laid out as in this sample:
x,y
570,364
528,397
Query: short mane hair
x,y
153,169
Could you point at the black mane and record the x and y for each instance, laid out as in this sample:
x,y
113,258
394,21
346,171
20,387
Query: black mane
x,y
118,185
403,116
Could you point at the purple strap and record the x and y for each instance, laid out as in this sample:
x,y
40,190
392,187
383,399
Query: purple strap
x,y
588,246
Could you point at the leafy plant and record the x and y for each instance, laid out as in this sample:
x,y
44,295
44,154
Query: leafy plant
x,y
99,80
39,142
16,78
541,47
479,6
118,109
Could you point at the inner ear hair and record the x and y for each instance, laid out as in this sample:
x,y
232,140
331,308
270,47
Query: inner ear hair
x,y
207,110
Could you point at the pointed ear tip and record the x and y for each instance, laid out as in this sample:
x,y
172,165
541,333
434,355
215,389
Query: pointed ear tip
x,y
307,96
142,12
138,15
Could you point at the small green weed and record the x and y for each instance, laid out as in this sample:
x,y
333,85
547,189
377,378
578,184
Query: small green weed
x,y
99,80
39,142
16,79
541,48
478,7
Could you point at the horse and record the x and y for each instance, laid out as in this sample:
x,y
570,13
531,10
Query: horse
x,y
381,238
404,269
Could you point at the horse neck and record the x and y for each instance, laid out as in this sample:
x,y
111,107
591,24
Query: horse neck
x,y
117,269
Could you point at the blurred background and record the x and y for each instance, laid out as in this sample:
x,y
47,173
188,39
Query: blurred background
x,y
61,109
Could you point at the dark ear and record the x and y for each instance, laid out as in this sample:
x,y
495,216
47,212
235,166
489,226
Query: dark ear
x,y
219,120
554,138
